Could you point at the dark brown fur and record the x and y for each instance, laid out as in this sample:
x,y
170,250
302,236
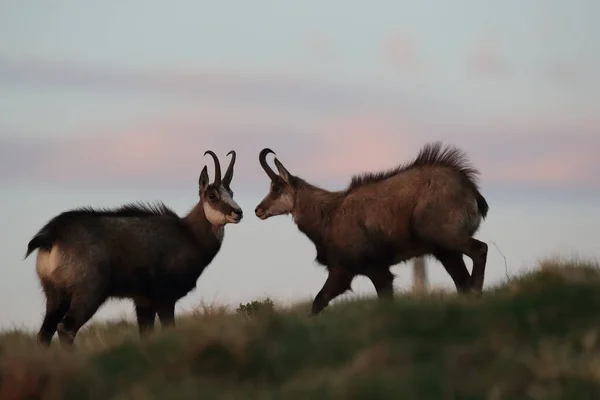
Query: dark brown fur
x,y
138,251
429,206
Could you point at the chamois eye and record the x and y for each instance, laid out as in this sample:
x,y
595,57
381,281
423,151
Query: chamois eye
x,y
276,188
212,196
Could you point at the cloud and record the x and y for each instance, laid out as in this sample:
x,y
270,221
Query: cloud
x,y
572,72
352,144
324,151
320,46
302,91
375,130
570,169
402,53
488,60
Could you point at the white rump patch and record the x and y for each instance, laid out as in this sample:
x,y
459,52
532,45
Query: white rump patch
x,y
47,262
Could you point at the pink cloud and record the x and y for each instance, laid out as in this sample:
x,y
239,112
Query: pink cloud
x,y
402,53
351,144
320,147
554,170
320,46
487,59
570,71
322,150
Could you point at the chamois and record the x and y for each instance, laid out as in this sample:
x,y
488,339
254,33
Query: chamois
x,y
430,206
139,251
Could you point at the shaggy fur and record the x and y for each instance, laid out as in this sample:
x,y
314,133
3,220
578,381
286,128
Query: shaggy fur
x,y
144,252
430,206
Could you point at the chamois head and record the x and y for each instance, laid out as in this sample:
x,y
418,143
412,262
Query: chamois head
x,y
217,198
280,199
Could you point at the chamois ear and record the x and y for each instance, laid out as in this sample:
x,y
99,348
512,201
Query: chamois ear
x,y
203,181
283,173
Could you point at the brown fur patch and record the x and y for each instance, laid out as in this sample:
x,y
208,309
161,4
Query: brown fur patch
x,y
432,154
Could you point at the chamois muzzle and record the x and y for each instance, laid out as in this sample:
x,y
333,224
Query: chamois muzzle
x,y
236,216
261,213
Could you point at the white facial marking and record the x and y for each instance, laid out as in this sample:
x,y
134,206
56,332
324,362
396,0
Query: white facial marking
x,y
287,201
283,205
216,217
213,216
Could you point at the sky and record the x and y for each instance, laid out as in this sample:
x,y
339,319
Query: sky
x,y
116,101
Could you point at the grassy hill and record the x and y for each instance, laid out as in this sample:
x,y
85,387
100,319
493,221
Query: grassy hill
x,y
534,337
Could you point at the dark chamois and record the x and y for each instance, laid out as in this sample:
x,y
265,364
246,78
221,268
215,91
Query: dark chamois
x,y
430,206
143,252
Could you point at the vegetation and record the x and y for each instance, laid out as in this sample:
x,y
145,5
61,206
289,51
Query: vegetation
x,y
534,337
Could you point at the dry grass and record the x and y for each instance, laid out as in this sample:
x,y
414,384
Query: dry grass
x,y
534,337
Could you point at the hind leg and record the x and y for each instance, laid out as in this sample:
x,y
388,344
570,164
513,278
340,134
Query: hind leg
x,y
478,253
455,266
449,241
57,305
84,305
475,249
337,282
145,314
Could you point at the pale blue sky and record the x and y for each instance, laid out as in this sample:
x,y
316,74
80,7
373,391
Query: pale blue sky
x,y
103,103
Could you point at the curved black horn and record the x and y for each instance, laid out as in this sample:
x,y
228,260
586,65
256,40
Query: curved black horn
x,y
229,173
262,158
217,180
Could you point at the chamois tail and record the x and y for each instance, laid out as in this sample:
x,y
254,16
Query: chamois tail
x,y
482,204
45,238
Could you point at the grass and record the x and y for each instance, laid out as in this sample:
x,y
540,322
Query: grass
x,y
533,337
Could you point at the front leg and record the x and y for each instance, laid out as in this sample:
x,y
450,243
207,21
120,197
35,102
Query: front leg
x,y
166,314
337,282
383,280
146,315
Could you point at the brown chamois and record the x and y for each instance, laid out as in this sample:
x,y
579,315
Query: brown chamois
x,y
430,206
139,251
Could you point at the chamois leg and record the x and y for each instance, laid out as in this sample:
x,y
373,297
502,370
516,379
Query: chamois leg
x,y
57,305
476,250
337,282
383,280
450,239
84,305
145,314
166,314
455,266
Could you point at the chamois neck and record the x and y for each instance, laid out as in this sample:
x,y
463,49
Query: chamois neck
x,y
201,226
313,209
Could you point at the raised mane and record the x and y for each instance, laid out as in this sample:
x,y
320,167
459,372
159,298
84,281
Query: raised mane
x,y
431,154
137,209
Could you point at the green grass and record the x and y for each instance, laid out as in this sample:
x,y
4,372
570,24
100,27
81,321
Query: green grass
x,y
533,337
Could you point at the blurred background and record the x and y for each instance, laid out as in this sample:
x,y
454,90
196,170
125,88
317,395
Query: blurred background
x,y
103,103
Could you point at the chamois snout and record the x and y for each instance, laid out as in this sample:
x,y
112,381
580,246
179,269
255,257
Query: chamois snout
x,y
260,212
236,215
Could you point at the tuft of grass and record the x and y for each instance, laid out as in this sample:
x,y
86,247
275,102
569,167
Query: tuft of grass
x,y
536,336
256,307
